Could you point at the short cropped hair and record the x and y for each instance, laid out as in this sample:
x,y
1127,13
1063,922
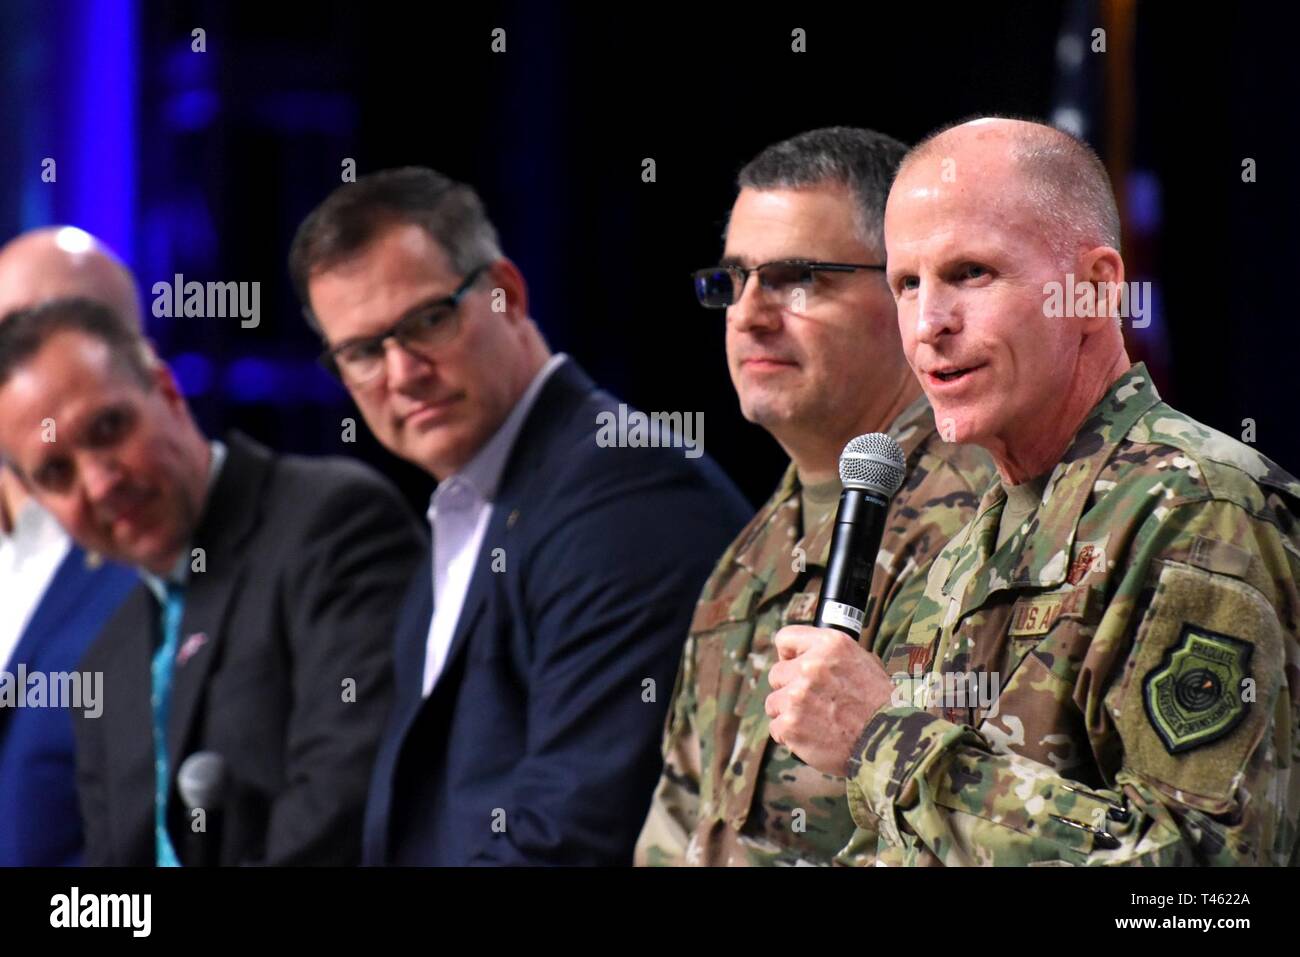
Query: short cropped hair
x,y
862,161
24,332
1068,186
450,212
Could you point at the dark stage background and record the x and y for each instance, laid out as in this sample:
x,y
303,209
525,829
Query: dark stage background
x,y
203,164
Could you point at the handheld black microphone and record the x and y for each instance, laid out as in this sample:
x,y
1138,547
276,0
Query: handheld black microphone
x,y
871,470
202,783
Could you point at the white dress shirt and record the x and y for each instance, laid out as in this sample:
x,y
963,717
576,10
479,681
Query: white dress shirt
x,y
458,515
29,559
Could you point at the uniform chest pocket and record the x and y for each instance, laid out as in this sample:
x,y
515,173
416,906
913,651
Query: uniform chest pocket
x,y
722,632
755,653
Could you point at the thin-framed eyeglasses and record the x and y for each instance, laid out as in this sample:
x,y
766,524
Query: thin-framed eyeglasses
x,y
718,287
422,332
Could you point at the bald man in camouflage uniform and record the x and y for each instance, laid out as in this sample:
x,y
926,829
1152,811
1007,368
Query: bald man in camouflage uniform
x,y
816,360
1130,582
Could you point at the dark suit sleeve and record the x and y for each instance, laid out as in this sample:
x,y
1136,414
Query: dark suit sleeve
x,y
341,606
609,595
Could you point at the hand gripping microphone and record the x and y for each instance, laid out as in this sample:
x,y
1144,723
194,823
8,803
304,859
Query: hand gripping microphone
x,y
871,470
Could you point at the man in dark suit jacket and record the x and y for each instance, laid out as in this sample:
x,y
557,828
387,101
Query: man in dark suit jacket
x,y
261,633
537,646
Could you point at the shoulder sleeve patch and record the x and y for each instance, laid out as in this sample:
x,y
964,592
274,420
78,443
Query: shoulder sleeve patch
x,y
1204,671
1196,694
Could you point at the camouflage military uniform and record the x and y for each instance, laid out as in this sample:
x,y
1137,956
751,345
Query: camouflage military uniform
x,y
728,794
1143,627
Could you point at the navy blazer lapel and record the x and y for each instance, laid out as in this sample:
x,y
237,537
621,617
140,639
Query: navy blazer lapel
x,y
68,583
567,387
62,597
410,641
413,635
231,514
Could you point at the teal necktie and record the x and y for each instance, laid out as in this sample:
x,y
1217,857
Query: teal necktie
x,y
164,661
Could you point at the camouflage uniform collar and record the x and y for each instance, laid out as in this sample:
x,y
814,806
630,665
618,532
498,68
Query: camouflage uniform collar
x,y
779,511
1043,561
910,429
913,426
788,486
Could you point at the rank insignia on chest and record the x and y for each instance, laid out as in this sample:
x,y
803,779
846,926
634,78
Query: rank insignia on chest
x,y
1195,695
1082,564
919,658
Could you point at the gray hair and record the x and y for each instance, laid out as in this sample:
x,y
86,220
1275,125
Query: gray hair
x,y
863,161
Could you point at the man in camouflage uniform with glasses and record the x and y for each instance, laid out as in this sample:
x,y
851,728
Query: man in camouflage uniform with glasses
x,y
814,354
1130,583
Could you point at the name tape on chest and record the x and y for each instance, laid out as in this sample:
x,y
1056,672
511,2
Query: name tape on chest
x,y
802,608
1036,616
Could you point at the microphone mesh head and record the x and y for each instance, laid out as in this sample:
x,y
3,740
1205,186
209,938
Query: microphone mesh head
x,y
201,780
874,462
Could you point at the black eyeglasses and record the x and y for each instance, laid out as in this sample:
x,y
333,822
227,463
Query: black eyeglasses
x,y
718,287
421,332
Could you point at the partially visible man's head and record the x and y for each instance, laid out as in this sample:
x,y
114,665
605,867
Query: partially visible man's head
x,y
57,262
815,359
98,430
981,217
393,246
49,263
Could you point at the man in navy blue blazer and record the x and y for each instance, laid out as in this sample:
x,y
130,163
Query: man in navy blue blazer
x,y
38,795
538,643
56,597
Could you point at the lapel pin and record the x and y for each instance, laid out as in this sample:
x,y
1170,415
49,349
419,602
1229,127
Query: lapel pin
x,y
191,647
